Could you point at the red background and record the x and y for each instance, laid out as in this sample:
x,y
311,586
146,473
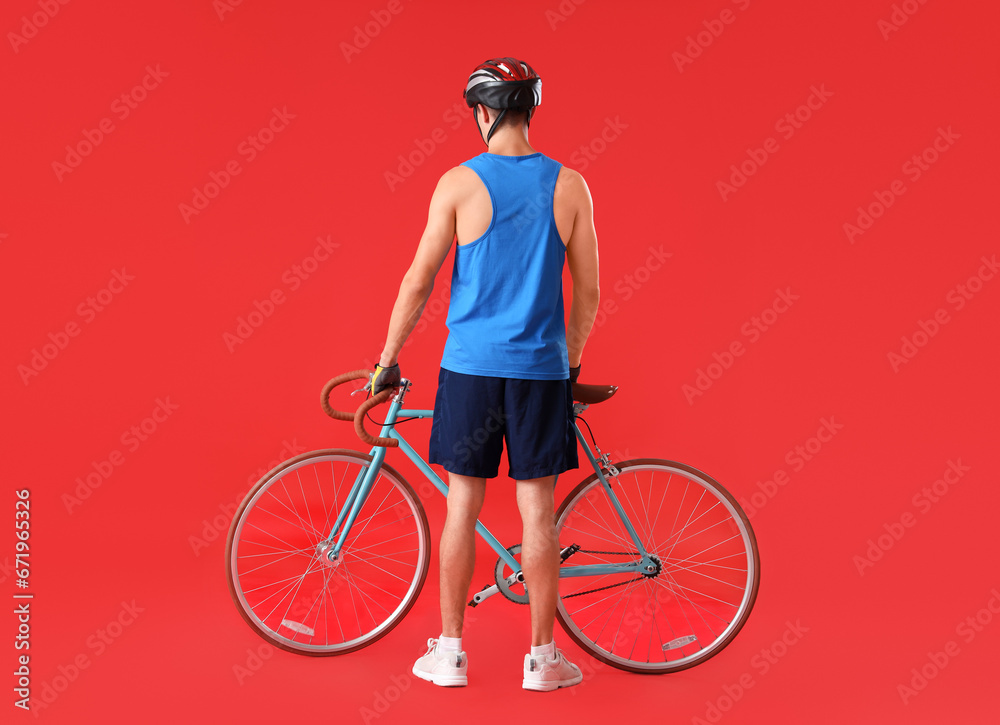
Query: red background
x,y
135,537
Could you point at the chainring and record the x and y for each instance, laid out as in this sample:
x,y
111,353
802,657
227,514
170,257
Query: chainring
x,y
501,579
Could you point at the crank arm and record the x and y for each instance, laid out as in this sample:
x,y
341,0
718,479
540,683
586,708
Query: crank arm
x,y
484,594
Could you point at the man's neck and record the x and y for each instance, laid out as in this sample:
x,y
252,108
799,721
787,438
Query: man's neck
x,y
510,142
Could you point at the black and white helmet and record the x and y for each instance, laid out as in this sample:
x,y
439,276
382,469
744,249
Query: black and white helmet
x,y
506,84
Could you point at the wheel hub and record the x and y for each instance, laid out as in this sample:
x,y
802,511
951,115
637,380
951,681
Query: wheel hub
x,y
653,570
325,552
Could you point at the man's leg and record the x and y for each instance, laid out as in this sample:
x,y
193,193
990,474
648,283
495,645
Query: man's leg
x,y
458,549
545,667
539,554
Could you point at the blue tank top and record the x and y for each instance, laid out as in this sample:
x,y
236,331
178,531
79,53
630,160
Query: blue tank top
x,y
506,318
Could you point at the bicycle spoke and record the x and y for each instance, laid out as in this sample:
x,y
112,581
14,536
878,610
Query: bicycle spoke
x,y
666,487
294,510
245,572
312,525
622,541
280,519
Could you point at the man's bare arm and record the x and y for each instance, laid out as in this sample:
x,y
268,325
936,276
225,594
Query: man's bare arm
x,y
582,258
419,278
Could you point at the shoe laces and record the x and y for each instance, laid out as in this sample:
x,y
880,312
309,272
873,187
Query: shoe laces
x,y
432,643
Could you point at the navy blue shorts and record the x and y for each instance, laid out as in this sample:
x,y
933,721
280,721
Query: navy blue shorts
x,y
475,414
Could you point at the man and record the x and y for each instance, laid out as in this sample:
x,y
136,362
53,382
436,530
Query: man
x,y
507,365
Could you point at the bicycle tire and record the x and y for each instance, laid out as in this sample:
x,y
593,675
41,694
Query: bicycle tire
x,y
708,601
273,559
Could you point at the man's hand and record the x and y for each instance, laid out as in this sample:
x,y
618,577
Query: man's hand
x,y
384,378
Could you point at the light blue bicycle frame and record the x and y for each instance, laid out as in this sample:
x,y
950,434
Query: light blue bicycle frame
x,y
368,474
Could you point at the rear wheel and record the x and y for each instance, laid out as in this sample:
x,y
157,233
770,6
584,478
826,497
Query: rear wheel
x,y
285,586
705,574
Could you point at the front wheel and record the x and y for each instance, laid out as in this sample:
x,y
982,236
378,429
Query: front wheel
x,y
286,587
704,577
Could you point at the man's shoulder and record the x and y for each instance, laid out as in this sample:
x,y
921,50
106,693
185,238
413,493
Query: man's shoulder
x,y
456,178
571,183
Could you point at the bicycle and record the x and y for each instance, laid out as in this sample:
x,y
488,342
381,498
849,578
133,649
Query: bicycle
x,y
330,549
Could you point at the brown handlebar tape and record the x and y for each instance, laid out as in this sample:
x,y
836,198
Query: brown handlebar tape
x,y
324,396
359,416
359,421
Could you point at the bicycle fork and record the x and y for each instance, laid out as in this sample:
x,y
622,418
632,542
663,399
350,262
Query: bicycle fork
x,y
331,547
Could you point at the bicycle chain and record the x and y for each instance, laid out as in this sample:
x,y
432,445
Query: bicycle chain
x,y
609,586
617,553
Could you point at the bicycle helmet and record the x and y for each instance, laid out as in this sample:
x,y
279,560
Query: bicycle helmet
x,y
505,84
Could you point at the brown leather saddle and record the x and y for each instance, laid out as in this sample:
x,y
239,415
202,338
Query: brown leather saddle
x,y
590,394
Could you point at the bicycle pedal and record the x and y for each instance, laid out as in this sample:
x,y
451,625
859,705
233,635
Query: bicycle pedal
x,y
568,551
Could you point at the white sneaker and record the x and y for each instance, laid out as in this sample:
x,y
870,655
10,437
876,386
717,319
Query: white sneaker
x,y
448,669
544,674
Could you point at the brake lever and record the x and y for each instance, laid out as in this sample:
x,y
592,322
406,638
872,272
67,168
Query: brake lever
x,y
364,387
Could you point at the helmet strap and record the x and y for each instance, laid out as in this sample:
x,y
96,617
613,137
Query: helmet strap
x,y
495,126
496,122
